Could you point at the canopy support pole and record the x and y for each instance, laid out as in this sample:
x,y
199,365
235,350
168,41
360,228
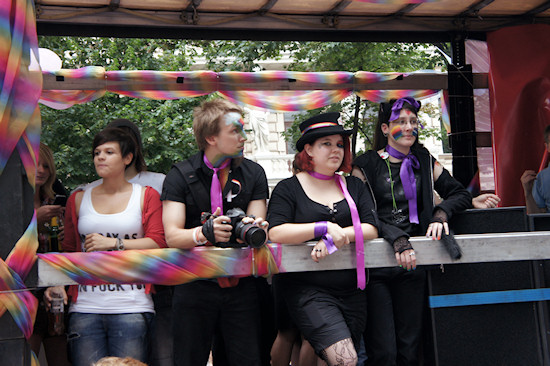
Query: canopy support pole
x,y
462,138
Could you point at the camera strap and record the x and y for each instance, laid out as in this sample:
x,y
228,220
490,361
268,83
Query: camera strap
x,y
202,199
198,191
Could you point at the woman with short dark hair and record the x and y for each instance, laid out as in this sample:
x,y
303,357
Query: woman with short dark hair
x,y
111,320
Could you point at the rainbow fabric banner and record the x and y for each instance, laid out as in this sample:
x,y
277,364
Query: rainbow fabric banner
x,y
325,77
444,103
165,266
21,85
14,296
63,99
379,96
286,100
162,84
244,88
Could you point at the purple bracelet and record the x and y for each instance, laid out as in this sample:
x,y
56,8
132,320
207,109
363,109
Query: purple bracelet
x,y
329,243
320,229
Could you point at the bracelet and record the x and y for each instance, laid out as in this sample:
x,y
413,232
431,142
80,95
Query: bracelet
x,y
119,244
329,243
196,236
320,229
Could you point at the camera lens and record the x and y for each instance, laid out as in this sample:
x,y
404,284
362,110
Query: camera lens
x,y
251,235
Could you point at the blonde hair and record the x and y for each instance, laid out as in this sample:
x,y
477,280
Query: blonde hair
x,y
117,361
46,156
207,117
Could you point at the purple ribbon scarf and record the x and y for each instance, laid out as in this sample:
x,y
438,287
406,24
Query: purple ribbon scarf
x,y
398,106
359,240
407,179
216,198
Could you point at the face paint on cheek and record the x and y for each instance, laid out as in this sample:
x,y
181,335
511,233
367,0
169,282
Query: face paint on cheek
x,y
415,132
396,132
243,132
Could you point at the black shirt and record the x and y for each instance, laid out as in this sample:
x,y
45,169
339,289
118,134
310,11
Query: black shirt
x,y
246,182
383,193
290,204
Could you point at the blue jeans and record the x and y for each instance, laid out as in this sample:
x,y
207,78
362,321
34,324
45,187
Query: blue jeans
x,y
94,336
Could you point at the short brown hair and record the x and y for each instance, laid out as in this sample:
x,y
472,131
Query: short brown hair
x,y
207,117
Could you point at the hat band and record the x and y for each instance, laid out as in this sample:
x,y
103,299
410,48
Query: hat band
x,y
319,125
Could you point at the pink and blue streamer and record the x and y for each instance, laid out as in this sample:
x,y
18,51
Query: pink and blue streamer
x,y
165,266
19,128
14,296
240,87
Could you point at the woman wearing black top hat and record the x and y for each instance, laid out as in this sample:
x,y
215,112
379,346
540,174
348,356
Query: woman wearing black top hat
x,y
318,204
402,176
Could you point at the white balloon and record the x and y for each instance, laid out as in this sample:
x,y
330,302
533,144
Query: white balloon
x,y
49,60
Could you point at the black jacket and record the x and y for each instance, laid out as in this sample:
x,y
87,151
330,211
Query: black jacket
x,y
455,197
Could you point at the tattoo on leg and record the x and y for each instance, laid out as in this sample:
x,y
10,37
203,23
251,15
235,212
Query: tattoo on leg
x,y
341,353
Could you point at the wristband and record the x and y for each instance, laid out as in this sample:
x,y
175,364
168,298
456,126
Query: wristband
x,y
196,236
119,244
320,229
329,243
208,230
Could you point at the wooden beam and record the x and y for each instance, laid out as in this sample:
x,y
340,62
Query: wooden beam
x,y
413,81
475,8
477,248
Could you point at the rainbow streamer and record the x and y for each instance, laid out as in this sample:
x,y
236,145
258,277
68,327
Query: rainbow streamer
x,y
165,266
162,84
326,77
445,117
34,360
286,100
20,89
20,86
379,96
14,296
364,77
63,99
243,88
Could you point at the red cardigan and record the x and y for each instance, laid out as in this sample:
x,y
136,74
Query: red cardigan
x,y
151,219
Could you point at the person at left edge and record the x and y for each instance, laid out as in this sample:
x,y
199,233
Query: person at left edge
x,y
226,307
111,320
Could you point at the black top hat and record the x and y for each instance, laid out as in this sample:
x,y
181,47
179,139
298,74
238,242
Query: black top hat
x,y
324,124
122,122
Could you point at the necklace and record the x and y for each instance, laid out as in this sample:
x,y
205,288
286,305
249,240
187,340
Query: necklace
x,y
408,180
397,214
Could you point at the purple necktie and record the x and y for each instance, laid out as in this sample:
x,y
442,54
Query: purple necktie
x,y
356,221
407,179
216,198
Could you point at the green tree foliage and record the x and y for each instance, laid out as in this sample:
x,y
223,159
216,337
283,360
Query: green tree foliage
x,y
166,125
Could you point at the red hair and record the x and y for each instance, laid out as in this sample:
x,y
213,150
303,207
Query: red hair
x,y
304,162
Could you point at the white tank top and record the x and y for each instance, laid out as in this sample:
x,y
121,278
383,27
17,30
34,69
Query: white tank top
x,y
112,299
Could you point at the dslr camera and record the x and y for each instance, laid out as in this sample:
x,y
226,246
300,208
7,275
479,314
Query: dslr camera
x,y
250,234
